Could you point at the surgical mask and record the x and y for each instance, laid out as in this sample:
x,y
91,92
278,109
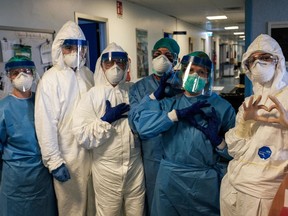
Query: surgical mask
x,y
114,74
23,82
262,71
161,64
72,61
194,83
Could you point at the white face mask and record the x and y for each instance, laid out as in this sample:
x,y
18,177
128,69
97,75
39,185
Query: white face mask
x,y
71,60
262,71
22,82
114,74
161,64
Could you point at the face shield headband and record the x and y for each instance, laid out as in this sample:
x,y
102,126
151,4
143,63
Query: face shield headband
x,y
19,64
70,42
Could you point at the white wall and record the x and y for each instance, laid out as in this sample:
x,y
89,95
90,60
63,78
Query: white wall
x,y
52,14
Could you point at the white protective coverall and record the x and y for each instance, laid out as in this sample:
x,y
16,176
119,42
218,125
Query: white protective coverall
x,y
117,170
58,93
260,150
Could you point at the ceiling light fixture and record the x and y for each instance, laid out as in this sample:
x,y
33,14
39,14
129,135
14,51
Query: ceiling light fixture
x,y
238,33
216,17
231,27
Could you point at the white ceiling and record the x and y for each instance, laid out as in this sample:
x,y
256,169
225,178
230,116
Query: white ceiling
x,y
195,12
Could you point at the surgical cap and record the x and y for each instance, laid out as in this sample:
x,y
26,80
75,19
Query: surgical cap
x,y
200,59
168,43
19,61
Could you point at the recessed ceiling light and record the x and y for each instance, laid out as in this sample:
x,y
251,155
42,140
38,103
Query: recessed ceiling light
x,y
216,17
238,33
242,36
231,27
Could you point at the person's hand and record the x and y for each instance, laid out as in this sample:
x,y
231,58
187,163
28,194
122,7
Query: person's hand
x,y
192,110
160,91
283,114
114,113
211,130
252,108
61,173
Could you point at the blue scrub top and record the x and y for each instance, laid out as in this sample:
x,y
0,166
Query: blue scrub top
x,y
26,186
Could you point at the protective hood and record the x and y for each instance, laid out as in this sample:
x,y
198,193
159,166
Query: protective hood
x,y
99,74
70,30
265,43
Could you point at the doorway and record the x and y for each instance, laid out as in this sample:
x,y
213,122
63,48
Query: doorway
x,y
95,31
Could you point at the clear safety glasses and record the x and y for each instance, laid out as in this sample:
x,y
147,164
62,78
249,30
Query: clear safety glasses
x,y
266,57
111,58
170,55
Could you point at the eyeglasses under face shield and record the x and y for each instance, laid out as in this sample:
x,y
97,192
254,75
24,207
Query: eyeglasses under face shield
x,y
170,55
118,58
265,57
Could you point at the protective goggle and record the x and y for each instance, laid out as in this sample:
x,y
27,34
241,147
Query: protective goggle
x,y
266,57
16,72
111,58
170,55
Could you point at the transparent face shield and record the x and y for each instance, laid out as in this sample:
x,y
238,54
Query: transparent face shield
x,y
197,75
110,59
22,75
24,79
75,53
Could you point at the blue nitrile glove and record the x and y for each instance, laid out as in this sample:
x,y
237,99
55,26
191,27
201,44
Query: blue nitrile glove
x,y
61,173
114,113
194,109
211,131
160,91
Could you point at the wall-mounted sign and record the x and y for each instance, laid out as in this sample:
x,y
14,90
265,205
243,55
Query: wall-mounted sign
x,y
119,8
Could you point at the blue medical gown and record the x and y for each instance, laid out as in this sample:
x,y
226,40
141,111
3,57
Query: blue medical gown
x,y
152,152
189,176
26,186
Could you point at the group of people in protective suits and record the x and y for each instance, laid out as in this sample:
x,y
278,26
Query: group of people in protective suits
x,y
95,144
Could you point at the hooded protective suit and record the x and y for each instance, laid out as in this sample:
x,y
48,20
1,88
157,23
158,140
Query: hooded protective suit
x,y
152,151
117,168
259,149
58,93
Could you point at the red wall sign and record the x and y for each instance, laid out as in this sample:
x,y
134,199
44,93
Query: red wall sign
x,y
119,8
